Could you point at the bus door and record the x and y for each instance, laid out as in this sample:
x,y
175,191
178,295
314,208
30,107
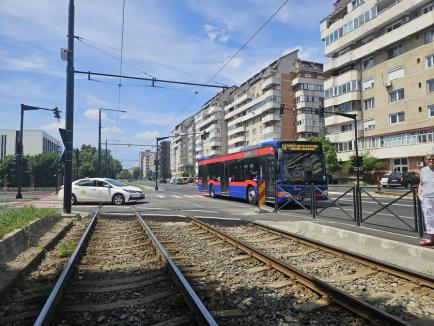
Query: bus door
x,y
269,179
224,180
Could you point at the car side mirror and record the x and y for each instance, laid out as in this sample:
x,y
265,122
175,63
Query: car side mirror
x,y
108,186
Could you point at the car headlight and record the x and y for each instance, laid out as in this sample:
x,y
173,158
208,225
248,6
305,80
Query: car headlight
x,y
133,191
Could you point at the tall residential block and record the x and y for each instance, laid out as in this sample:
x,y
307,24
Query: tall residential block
x,y
382,69
211,137
147,164
264,107
182,149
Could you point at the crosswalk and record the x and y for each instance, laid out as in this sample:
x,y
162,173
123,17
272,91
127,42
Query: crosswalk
x,y
180,196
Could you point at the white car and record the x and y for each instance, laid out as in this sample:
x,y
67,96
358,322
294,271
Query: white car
x,y
385,180
103,190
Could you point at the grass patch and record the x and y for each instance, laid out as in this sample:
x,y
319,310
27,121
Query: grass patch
x,y
16,218
65,249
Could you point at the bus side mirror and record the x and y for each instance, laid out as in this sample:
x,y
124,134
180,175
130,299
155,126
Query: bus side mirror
x,y
279,154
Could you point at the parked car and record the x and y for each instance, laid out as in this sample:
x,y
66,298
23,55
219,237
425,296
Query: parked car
x,y
179,181
162,180
184,180
190,179
384,180
403,179
103,190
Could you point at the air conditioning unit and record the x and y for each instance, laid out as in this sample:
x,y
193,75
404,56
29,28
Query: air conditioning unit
x,y
388,84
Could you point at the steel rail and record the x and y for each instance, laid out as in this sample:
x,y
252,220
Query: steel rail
x,y
203,316
416,277
328,292
47,312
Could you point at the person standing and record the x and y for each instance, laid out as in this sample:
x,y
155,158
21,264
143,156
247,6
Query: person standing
x,y
426,196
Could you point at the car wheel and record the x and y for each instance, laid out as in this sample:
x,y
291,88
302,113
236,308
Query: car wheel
x,y
211,191
118,199
73,199
251,196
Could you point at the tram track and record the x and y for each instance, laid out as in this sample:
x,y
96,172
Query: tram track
x,y
118,275
401,296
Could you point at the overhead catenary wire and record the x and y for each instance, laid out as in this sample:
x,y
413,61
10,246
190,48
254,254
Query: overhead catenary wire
x,y
120,67
226,63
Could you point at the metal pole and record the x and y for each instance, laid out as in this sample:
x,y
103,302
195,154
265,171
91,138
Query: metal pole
x,y
106,160
19,150
156,169
98,171
69,119
276,203
77,161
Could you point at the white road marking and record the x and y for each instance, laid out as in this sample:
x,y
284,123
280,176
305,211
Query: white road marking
x,y
198,210
218,218
167,215
156,208
175,196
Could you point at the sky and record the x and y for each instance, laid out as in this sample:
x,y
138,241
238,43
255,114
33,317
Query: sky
x,y
181,40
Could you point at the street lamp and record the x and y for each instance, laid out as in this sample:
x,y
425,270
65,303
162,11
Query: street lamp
x,y
19,146
99,137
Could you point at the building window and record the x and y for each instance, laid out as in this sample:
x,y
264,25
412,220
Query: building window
x,y
393,26
397,118
430,85
429,36
347,127
369,125
430,61
397,95
368,83
357,3
394,51
368,63
431,111
396,73
369,103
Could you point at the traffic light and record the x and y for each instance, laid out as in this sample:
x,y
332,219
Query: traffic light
x,y
56,113
357,161
282,109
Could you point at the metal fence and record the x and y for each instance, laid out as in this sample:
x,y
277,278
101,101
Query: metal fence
x,y
363,206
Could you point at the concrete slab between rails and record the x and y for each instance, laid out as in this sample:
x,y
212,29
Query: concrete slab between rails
x,y
406,255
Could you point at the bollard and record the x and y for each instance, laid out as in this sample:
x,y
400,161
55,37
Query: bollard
x,y
261,194
420,224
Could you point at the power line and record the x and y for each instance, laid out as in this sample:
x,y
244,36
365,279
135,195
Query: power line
x,y
228,61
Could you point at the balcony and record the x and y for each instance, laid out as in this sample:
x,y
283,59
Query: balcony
x,y
235,140
337,119
271,117
237,130
342,78
347,97
243,98
269,82
271,136
341,136
271,129
412,27
306,128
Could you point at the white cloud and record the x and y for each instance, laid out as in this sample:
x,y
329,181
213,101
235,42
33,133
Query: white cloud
x,y
54,126
148,136
216,34
112,130
94,114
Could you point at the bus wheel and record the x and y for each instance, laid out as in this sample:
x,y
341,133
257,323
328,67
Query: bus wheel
x,y
251,196
211,192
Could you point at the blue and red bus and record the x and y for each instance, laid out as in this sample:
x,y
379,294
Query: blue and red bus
x,y
296,165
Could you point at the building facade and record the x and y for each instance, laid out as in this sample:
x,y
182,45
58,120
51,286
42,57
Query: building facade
x,y
34,142
147,164
382,69
308,88
183,149
210,125
164,159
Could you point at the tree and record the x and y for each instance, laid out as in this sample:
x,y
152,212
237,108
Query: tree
x,y
329,150
370,165
125,174
44,167
136,173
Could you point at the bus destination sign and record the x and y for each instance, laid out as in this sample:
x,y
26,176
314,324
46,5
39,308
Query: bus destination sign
x,y
302,147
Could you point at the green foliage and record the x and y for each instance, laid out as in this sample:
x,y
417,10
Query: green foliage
x,y
329,150
137,173
347,167
65,249
16,218
88,163
125,174
44,167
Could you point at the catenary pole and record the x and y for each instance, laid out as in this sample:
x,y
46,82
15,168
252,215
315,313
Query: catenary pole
x,y
69,118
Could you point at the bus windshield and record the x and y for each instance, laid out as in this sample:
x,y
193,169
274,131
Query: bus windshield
x,y
300,168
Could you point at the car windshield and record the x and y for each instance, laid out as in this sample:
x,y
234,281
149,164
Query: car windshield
x,y
116,183
385,176
303,168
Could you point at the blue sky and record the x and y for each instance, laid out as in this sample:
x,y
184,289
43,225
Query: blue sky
x,y
185,40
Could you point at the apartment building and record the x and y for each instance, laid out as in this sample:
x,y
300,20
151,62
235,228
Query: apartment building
x,y
382,69
211,137
147,164
308,87
34,142
264,107
182,149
